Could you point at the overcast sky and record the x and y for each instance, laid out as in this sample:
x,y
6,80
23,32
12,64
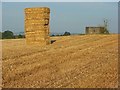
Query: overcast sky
x,y
72,17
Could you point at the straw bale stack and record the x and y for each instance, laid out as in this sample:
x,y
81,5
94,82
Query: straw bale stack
x,y
37,25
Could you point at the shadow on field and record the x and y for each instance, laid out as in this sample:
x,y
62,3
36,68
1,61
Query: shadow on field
x,y
52,41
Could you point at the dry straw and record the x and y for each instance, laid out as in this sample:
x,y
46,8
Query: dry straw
x,y
37,25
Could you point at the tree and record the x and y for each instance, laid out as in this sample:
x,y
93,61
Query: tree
x,y
66,34
0,35
7,35
52,35
20,36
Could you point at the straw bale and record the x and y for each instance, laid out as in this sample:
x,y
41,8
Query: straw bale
x,y
40,27
37,22
37,16
36,30
37,26
37,10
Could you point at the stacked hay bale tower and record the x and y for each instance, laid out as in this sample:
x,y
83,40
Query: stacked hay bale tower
x,y
37,25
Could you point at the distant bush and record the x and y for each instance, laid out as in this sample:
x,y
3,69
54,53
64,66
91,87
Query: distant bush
x,y
7,35
0,35
19,36
66,34
52,35
58,35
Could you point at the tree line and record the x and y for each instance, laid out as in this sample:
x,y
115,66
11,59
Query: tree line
x,y
10,35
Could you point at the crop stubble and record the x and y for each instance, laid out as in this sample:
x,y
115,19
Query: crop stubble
x,y
71,61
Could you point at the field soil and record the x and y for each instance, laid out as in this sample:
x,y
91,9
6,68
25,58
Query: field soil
x,y
80,61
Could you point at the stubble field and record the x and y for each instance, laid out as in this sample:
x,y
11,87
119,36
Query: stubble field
x,y
86,61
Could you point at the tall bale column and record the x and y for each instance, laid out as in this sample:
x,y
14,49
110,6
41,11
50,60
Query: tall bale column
x,y
37,25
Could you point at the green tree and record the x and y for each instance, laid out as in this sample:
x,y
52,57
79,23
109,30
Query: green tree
x,y
66,34
7,35
0,35
20,36
52,35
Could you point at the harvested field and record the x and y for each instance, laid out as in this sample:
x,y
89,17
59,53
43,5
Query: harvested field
x,y
88,61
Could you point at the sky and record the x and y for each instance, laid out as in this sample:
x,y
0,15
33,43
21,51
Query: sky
x,y
119,17
64,16
60,0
